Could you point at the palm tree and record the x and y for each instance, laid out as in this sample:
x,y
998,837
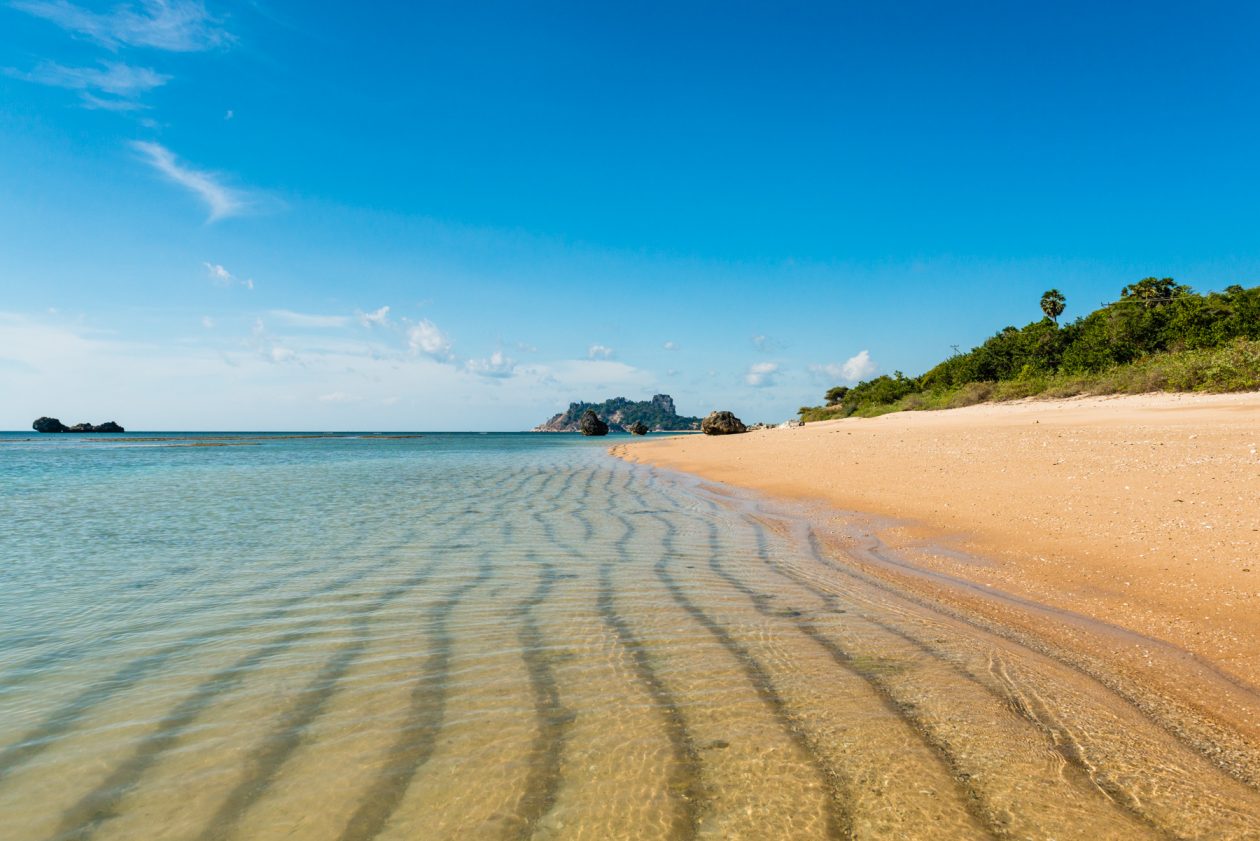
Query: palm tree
x,y
1052,304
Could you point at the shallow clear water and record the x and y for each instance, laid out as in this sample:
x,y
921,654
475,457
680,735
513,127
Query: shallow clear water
x,y
514,636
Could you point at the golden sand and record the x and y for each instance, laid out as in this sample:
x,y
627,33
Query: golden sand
x,y
1141,512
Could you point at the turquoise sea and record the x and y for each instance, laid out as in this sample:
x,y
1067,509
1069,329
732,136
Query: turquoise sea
x,y
510,636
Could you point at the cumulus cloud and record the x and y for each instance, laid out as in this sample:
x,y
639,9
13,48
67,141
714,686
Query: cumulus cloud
x,y
496,365
113,86
428,339
859,366
222,277
855,368
301,319
599,352
377,318
222,201
174,25
670,346
761,374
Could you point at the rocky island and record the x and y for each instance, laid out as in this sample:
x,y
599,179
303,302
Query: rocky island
x,y
656,415
54,425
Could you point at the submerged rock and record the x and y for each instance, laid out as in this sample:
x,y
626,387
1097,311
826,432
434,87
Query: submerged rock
x,y
637,428
49,425
722,423
590,424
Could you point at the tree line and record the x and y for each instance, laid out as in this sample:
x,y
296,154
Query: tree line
x,y
1153,317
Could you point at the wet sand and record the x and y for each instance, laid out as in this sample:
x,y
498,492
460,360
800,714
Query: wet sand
x,y
1120,533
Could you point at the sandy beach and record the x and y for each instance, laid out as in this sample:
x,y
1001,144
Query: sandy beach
x,y
1120,529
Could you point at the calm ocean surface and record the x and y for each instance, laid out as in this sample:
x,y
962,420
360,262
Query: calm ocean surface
x,y
509,636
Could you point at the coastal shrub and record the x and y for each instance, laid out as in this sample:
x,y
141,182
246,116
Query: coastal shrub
x,y
1158,336
913,403
970,394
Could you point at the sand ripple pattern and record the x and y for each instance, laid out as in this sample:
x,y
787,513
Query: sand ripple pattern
x,y
503,638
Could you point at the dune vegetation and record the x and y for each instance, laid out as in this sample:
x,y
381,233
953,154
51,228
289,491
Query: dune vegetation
x,y
1158,336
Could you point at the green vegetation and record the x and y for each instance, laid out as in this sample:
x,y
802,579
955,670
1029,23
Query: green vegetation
x,y
1159,336
657,414
1052,304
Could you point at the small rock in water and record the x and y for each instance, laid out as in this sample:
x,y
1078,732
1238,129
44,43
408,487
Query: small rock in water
x,y
590,424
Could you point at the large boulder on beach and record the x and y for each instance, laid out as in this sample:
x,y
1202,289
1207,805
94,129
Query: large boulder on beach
x,y
590,424
722,423
637,428
49,425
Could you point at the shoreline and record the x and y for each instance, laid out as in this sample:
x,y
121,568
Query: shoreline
x,y
1122,532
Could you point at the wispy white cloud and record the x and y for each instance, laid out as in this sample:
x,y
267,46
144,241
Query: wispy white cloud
x,y
599,352
767,344
228,378
425,337
670,346
302,319
761,374
496,365
207,322
860,366
378,318
223,201
222,277
526,347
174,25
98,103
114,86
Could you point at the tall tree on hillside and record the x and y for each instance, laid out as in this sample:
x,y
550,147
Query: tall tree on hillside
x,y
1153,292
1052,304
836,395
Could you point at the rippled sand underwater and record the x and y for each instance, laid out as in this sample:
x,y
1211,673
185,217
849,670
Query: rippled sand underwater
x,y
492,638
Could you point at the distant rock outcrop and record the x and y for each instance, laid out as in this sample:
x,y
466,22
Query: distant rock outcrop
x,y
637,428
722,423
657,414
590,424
54,425
49,425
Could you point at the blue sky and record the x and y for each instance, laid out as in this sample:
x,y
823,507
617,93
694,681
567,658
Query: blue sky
x,y
462,216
